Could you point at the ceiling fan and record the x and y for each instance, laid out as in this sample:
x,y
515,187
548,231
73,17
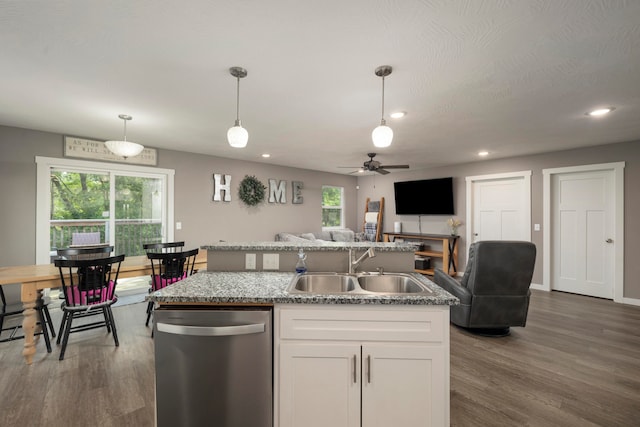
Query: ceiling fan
x,y
375,166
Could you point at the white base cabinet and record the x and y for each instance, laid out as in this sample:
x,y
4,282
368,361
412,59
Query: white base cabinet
x,y
361,366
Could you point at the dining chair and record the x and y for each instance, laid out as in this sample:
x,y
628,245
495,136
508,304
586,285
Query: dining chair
x,y
168,268
165,247
88,286
97,251
91,238
15,310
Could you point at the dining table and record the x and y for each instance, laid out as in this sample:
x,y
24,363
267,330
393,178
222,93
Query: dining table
x,y
33,279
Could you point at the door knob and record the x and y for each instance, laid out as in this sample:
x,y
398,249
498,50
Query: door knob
x,y
609,240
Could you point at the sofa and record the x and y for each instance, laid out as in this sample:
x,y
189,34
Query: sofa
x,y
338,235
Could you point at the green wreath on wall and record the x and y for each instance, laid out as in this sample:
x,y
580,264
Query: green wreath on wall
x,y
251,190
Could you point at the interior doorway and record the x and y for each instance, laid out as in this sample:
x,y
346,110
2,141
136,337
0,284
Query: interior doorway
x,y
583,239
499,207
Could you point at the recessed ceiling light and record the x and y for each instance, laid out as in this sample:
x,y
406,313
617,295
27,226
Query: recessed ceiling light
x,y
600,111
266,155
483,153
398,114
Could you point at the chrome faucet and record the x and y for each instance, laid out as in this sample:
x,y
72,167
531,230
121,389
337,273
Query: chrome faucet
x,y
353,264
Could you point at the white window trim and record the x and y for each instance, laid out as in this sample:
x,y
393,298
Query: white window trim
x,y
341,207
43,193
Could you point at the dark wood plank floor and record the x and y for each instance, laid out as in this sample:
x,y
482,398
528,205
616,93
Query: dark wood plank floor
x,y
576,363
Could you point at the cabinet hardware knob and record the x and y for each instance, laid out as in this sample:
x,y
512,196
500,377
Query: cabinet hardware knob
x,y
609,240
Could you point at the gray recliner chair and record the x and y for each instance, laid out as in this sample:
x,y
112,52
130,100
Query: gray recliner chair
x,y
494,291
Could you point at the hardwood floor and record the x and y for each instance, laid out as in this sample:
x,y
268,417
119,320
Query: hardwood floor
x,y
576,363
97,383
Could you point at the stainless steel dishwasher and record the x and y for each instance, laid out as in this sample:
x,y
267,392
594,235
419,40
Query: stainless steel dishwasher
x,y
214,367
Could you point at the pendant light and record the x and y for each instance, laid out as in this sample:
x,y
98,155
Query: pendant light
x,y
124,148
237,135
383,134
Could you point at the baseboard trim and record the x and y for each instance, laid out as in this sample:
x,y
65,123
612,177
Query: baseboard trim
x,y
631,301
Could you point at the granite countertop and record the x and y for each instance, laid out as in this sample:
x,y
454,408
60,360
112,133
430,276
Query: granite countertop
x,y
270,288
310,246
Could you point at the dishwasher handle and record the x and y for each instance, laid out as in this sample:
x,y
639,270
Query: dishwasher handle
x,y
211,331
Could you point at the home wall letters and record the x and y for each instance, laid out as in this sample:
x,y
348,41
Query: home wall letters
x,y
277,190
219,186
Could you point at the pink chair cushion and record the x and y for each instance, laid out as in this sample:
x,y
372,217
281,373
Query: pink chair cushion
x,y
159,282
97,296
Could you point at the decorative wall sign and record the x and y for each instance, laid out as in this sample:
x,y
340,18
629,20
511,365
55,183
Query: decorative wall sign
x,y
219,186
251,190
297,198
96,150
277,191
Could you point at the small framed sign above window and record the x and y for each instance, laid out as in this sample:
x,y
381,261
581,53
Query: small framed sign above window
x,y
96,150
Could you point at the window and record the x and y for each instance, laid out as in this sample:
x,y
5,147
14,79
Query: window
x,y
332,207
124,205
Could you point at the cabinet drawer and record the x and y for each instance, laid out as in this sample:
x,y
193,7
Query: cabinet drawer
x,y
363,324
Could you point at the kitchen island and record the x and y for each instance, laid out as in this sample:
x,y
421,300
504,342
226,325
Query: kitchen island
x,y
368,359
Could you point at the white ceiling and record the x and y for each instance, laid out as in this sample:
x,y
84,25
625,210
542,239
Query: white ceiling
x,y
510,76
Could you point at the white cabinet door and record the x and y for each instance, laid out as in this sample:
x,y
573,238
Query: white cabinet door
x,y
403,385
319,384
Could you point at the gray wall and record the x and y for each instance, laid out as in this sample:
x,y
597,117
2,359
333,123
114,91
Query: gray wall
x,y
382,186
203,221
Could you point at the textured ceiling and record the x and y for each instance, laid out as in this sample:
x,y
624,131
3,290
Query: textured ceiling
x,y
513,77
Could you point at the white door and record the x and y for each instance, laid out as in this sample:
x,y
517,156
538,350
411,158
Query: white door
x,y
319,385
403,385
500,207
583,232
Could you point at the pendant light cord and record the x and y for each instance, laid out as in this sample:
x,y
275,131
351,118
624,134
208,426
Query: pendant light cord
x,y
125,128
382,118
238,102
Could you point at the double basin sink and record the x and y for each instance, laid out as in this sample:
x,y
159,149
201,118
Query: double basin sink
x,y
361,283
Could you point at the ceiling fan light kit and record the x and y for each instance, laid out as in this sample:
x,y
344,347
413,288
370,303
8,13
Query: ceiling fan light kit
x,y
382,135
237,135
124,148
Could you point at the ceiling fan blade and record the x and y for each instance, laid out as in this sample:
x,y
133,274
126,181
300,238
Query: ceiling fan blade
x,y
395,166
348,167
382,171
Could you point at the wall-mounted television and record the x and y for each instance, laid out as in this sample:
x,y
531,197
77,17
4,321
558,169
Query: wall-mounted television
x,y
424,197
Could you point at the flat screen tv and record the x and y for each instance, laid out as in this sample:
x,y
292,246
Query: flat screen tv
x,y
424,197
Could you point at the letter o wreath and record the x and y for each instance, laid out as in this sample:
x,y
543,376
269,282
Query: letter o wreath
x,y
251,191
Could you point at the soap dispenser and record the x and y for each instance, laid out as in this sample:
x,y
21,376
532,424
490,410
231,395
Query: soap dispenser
x,y
301,265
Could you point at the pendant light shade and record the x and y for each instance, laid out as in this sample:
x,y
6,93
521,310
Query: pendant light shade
x,y
124,148
237,135
382,135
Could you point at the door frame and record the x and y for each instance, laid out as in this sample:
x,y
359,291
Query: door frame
x,y
618,217
43,193
471,180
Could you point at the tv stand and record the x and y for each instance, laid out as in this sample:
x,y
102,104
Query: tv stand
x,y
448,253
